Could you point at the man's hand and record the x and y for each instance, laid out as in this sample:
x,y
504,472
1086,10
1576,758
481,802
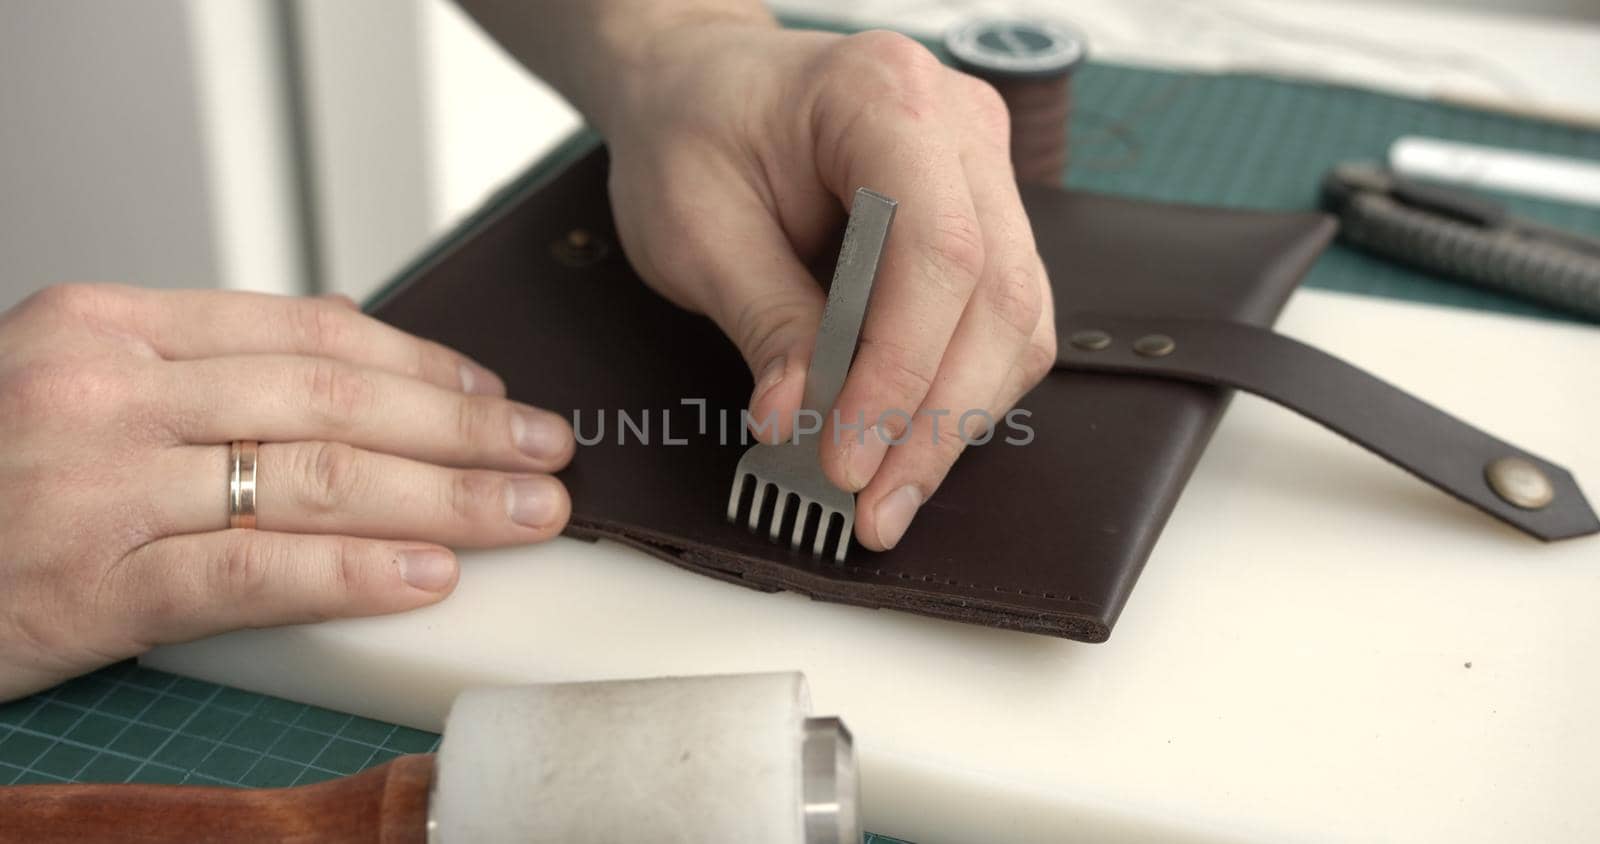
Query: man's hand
x,y
117,407
736,147
732,162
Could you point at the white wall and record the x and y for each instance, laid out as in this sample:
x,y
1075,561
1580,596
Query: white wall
x,y
487,117
414,117
99,147
147,143
153,142
371,178
247,129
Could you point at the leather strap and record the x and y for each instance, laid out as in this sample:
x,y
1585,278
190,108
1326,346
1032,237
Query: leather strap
x,y
1406,431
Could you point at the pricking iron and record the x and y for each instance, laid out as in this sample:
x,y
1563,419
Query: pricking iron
x,y
783,482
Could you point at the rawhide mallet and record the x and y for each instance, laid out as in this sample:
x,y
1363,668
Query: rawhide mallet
x,y
732,759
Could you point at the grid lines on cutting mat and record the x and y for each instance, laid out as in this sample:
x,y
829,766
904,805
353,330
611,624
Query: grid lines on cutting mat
x,y
131,724
1247,141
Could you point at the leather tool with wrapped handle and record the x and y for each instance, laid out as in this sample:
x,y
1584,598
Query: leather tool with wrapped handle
x,y
785,480
1465,236
687,759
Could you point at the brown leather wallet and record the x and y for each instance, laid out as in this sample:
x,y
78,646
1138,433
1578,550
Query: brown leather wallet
x,y
1048,537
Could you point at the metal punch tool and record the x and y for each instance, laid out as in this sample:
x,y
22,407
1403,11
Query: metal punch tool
x,y
785,481
1463,235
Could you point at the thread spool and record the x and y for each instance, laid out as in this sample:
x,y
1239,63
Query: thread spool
x,y
1031,64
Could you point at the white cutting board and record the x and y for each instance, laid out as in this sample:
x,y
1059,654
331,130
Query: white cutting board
x,y
1292,665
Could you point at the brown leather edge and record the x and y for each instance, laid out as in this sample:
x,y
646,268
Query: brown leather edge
x,y
867,588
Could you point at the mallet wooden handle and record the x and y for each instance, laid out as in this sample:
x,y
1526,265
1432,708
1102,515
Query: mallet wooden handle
x,y
384,805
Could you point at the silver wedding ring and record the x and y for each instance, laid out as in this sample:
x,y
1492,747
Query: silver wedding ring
x,y
242,484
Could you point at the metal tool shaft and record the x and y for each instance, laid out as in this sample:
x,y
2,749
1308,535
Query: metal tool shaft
x,y
870,217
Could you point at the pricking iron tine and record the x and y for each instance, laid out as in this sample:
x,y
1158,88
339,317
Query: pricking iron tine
x,y
801,516
822,532
757,503
777,514
733,497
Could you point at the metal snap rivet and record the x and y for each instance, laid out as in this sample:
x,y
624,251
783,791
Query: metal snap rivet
x,y
579,248
1154,345
1519,482
1090,340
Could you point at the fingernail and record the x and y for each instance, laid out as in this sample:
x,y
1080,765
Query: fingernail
x,y
533,502
771,377
428,569
894,514
476,379
539,434
863,456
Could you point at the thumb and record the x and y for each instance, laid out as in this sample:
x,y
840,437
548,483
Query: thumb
x,y
187,587
766,301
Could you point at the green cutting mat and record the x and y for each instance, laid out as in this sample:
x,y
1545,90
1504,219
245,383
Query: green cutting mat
x,y
131,724
1229,140
1255,142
